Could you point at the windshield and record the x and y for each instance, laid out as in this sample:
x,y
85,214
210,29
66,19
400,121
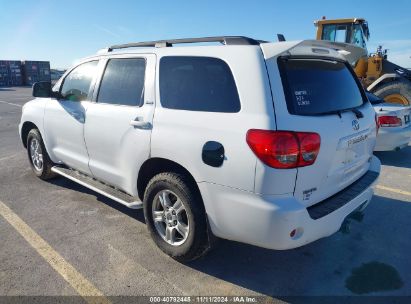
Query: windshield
x,y
317,86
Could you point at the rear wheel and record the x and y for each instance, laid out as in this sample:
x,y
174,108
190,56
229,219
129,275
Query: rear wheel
x,y
397,91
39,159
175,217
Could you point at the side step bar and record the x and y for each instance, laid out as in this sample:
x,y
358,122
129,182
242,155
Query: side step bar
x,y
99,187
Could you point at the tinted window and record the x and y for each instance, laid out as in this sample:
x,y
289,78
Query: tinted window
x,y
123,82
197,84
319,86
76,85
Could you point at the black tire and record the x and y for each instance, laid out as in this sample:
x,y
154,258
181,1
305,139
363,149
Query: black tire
x,y
197,242
44,172
400,86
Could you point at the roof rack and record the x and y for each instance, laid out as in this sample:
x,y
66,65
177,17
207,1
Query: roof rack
x,y
226,40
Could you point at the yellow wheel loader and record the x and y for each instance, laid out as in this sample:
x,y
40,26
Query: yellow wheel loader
x,y
378,75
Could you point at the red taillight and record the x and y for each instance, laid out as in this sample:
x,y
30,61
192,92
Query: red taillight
x,y
309,148
389,121
284,149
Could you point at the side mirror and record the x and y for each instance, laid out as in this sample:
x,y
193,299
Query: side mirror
x,y
42,89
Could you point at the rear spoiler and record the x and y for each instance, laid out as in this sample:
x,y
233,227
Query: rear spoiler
x,y
350,52
345,51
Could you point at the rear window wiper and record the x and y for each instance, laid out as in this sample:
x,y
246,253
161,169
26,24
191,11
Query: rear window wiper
x,y
337,112
357,112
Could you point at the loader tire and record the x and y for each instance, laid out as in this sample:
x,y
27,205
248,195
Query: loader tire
x,y
397,91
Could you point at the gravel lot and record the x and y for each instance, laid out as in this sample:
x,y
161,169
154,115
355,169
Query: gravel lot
x,y
110,246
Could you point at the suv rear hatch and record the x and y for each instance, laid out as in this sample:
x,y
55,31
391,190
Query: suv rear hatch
x,y
322,95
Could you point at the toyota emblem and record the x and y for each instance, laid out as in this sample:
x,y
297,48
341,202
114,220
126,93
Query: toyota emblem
x,y
355,125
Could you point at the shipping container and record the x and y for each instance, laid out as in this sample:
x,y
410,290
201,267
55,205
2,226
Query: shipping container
x,y
34,71
17,73
10,73
4,73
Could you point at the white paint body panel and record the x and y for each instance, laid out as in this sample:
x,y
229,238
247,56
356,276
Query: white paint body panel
x,y
269,219
243,190
33,111
64,129
179,135
117,149
64,125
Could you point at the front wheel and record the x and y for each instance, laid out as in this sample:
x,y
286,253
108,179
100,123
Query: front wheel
x,y
39,159
175,217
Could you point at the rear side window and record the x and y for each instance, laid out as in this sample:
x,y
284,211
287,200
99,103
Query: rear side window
x,y
197,84
123,82
315,87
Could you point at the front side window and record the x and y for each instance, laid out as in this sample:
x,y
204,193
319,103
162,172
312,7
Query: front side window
x,y
317,86
76,85
197,84
123,82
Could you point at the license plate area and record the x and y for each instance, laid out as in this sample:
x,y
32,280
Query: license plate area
x,y
354,142
355,146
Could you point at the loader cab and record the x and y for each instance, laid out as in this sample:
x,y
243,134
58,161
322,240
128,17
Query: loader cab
x,y
353,31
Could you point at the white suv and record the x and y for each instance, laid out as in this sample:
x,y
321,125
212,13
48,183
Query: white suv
x,y
268,144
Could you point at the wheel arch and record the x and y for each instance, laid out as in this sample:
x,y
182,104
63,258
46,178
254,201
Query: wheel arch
x,y
25,129
382,80
156,165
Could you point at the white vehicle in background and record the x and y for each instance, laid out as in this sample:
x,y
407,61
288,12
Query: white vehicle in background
x,y
269,144
394,124
55,75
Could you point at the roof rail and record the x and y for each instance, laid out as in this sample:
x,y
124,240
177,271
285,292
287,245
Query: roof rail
x,y
226,40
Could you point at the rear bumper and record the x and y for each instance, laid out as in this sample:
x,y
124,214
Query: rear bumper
x,y
389,139
267,221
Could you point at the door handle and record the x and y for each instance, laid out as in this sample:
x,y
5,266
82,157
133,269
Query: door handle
x,y
140,123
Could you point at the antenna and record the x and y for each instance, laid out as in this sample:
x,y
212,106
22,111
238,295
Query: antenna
x,y
280,37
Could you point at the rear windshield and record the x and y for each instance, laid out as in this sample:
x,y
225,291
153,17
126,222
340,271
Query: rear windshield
x,y
317,86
